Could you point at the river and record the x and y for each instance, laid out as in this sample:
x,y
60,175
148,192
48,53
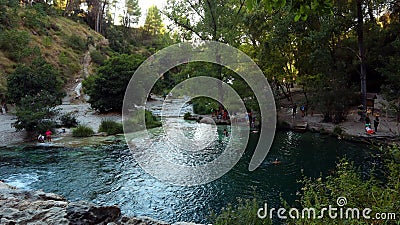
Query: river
x,y
109,175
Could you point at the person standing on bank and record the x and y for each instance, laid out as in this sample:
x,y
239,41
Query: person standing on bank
x,y
376,123
367,122
294,109
48,135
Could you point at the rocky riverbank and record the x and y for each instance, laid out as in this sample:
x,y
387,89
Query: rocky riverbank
x,y
37,207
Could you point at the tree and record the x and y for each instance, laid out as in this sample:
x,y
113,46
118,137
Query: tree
x,y
132,12
34,79
35,113
391,71
35,89
153,23
214,20
361,52
107,88
95,15
306,8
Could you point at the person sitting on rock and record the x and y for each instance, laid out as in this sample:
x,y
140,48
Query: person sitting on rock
x,y
369,130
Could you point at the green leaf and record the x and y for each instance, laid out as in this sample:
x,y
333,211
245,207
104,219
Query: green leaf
x,y
297,17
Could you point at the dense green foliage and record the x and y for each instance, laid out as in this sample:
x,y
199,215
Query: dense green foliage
x,y
187,115
390,70
245,212
17,48
151,120
36,112
38,55
153,24
29,80
314,44
203,105
135,122
380,192
97,57
132,13
107,88
82,131
111,127
76,42
35,89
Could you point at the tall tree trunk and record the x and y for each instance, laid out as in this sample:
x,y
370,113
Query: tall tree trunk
x,y
220,77
361,48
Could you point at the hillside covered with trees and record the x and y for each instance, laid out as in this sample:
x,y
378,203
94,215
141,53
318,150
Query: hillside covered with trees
x,y
43,48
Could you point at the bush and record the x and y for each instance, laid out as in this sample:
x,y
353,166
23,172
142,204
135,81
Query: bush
x,y
8,16
243,213
97,57
35,113
15,43
82,131
110,127
380,190
151,120
69,64
47,41
68,120
337,131
187,116
36,20
36,90
112,79
76,42
204,105
37,77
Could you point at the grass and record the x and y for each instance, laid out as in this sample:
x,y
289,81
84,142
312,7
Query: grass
x,y
110,127
245,212
82,131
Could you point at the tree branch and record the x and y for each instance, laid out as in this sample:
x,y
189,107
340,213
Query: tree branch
x,y
213,19
194,8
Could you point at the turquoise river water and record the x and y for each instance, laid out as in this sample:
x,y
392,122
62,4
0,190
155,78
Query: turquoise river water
x,y
109,175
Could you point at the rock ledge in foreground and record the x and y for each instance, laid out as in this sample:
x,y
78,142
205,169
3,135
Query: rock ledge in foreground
x,y
37,207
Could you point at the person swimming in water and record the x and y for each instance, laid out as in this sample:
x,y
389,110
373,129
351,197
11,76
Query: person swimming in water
x,y
276,162
226,134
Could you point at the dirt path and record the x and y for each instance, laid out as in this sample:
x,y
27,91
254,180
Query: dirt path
x,y
8,134
74,88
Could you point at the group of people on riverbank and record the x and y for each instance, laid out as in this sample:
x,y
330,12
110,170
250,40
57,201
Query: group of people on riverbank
x,y
368,128
303,109
42,138
221,113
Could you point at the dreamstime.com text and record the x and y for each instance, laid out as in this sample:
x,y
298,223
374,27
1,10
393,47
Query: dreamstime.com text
x,y
332,212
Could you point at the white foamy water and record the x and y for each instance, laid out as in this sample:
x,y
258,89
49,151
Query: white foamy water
x,y
22,180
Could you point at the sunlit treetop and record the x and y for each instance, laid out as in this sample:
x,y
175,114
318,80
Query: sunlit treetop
x,y
302,8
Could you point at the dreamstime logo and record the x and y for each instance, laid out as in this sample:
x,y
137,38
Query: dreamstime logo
x,y
341,201
166,169
331,212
